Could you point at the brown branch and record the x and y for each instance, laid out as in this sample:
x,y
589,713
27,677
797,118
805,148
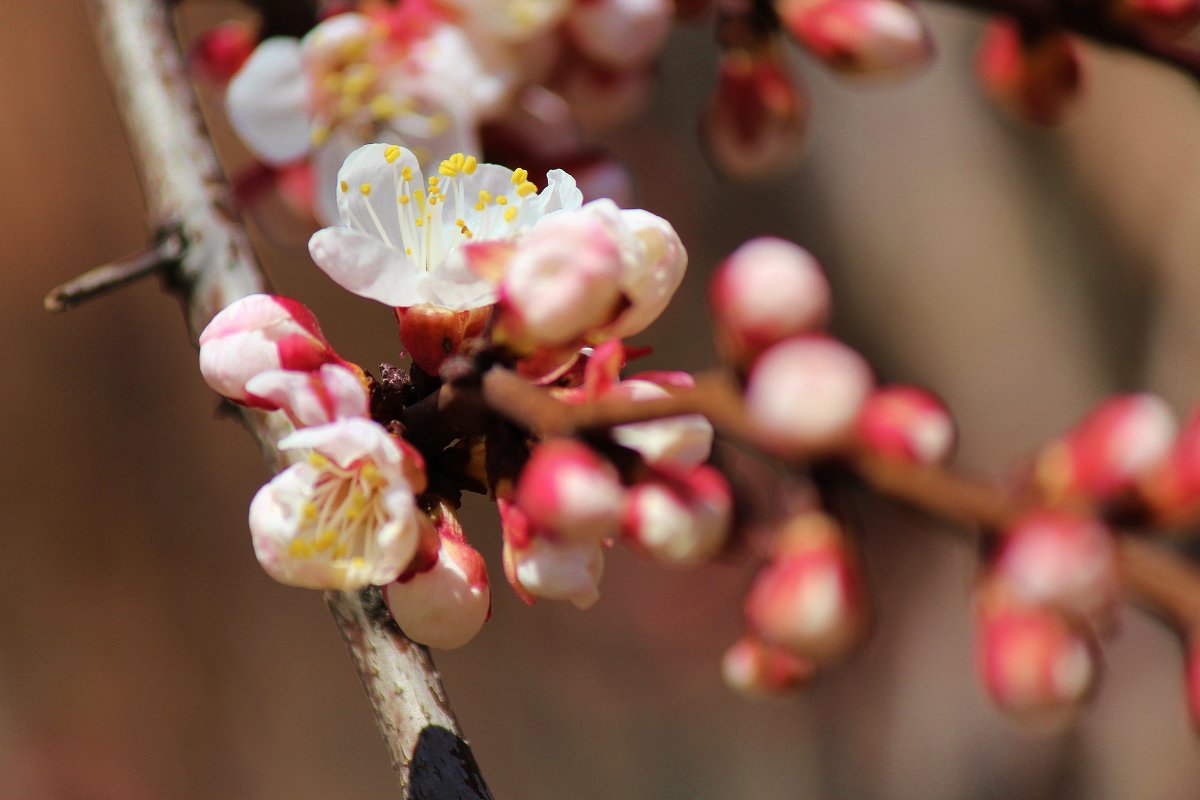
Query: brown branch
x,y
160,257
1158,578
186,196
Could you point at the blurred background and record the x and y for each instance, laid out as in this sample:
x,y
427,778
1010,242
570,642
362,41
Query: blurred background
x,y
144,654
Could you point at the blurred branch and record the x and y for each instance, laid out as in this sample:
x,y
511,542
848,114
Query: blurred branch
x,y
187,201
1095,21
161,256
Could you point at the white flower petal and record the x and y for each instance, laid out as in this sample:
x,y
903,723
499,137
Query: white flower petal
x,y
363,265
268,102
651,279
346,441
368,188
456,285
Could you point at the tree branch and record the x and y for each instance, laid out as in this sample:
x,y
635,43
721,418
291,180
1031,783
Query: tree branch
x,y
187,197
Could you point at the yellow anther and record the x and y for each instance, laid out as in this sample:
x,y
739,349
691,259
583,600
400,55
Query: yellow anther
x,y
340,551
318,460
510,214
527,188
479,206
434,180
519,176
501,200
325,540
310,511
358,562
433,198
365,189
332,82
438,124
319,135
345,187
485,196
299,548
403,199
469,164
408,251
420,222
369,473
391,153
459,222
406,173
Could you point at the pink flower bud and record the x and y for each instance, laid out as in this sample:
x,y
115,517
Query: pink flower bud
x,y
555,570
860,36
681,518
907,423
431,334
311,398
807,392
755,121
571,492
766,291
447,604
1053,558
754,667
601,97
1033,664
258,333
219,52
679,441
562,282
1116,445
621,34
809,598
1037,77
1174,488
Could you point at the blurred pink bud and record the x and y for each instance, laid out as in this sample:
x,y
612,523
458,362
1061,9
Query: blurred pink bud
x,y
1174,488
258,333
682,517
620,33
679,441
1033,664
218,53
601,97
567,489
563,281
1117,444
767,290
312,398
754,667
809,597
1057,559
555,570
1036,76
445,605
755,120
807,392
431,333
860,36
907,423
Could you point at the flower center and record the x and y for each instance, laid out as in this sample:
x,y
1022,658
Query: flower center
x,y
341,516
440,216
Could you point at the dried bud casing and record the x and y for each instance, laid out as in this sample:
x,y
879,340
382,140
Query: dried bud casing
x,y
754,123
431,333
766,291
1038,76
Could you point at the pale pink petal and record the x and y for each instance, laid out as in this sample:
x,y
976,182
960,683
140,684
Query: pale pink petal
x,y
268,102
364,265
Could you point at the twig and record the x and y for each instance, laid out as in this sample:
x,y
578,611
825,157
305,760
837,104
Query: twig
x,y
185,192
161,256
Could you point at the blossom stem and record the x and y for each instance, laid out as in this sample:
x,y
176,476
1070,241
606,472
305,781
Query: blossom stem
x,y
184,192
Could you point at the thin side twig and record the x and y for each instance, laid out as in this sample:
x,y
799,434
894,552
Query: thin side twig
x,y
185,193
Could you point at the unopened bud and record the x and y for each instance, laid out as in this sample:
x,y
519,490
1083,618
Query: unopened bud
x,y
311,398
1115,446
256,334
1035,76
1174,488
907,423
1033,664
860,36
447,604
754,667
567,489
601,97
809,597
562,282
681,441
755,121
768,290
807,392
1058,559
681,518
555,570
621,34
219,52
